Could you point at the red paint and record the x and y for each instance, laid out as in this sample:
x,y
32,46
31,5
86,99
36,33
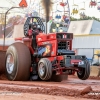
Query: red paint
x,y
31,69
23,3
30,32
31,50
63,4
75,61
20,38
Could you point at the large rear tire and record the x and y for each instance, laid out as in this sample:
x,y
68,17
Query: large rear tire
x,y
18,61
84,73
44,69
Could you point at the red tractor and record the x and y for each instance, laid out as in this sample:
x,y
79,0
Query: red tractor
x,y
42,56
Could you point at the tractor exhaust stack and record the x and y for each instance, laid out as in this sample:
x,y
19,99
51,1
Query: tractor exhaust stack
x,y
47,7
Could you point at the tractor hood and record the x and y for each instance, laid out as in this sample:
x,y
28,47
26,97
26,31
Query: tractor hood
x,y
53,36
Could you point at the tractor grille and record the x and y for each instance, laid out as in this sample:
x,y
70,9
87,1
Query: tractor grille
x,y
62,63
62,45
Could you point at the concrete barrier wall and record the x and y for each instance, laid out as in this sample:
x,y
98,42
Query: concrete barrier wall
x,y
95,71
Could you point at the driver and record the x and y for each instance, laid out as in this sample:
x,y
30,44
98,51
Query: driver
x,y
34,29
33,32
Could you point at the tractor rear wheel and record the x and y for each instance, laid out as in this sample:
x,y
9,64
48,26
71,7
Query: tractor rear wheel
x,y
44,69
84,73
18,61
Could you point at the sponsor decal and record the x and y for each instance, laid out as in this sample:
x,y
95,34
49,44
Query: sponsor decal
x,y
45,50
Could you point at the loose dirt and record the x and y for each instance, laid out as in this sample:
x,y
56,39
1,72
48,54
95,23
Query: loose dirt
x,y
72,87
5,95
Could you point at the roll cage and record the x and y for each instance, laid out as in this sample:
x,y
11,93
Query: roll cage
x,y
30,20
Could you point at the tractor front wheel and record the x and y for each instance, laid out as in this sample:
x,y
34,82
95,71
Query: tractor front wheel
x,y
84,73
44,69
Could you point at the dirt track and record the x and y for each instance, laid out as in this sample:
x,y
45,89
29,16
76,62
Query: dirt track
x,y
65,89
30,96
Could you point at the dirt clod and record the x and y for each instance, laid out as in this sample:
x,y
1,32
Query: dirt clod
x,y
86,90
